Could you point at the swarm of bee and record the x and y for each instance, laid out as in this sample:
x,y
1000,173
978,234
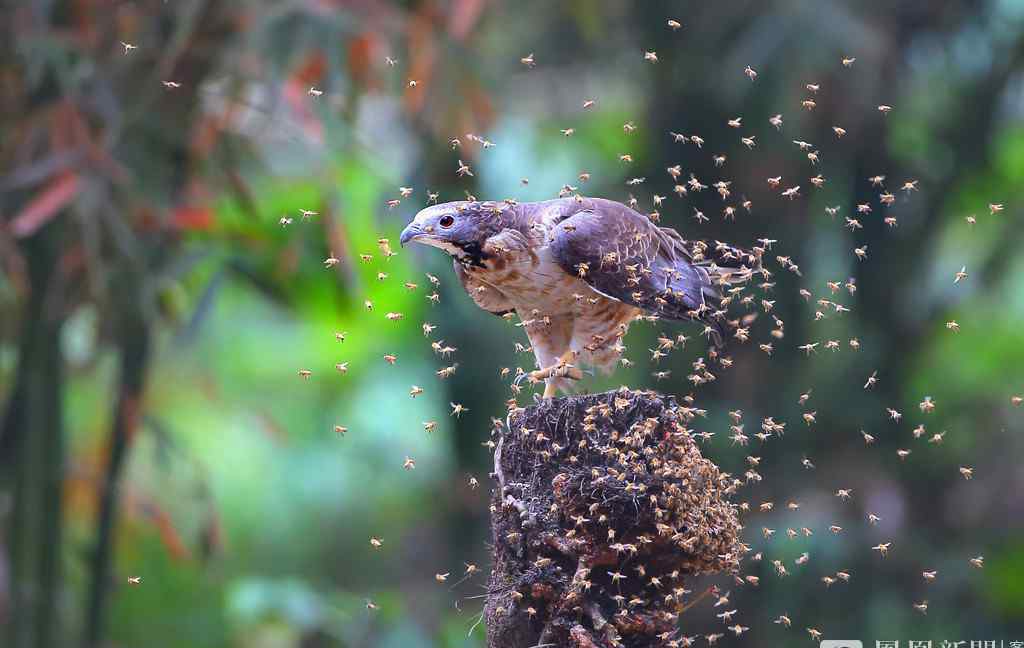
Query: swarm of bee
x,y
604,510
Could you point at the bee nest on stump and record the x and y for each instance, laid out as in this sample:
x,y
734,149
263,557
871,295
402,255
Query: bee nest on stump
x,y
604,508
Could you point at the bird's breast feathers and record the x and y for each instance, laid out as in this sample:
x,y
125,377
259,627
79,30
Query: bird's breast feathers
x,y
531,279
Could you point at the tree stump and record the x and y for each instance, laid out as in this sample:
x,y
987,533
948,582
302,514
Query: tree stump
x,y
604,509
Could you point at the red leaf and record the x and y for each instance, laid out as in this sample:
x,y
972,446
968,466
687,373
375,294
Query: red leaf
x,y
312,69
464,15
193,218
296,94
47,204
361,51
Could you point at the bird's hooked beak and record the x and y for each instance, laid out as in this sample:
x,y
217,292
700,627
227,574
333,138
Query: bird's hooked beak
x,y
411,232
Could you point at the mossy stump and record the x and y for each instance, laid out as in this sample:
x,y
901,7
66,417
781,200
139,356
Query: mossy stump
x,y
604,509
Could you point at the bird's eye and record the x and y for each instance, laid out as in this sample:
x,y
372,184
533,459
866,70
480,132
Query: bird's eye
x,y
446,221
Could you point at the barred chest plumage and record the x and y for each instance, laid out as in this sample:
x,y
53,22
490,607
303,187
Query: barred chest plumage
x,y
558,310
531,280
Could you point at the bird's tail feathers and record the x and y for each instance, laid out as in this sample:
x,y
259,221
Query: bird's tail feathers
x,y
725,264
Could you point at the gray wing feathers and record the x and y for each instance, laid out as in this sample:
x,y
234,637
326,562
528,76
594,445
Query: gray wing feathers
x,y
621,254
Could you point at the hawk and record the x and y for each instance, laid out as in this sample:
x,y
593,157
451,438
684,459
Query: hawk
x,y
577,271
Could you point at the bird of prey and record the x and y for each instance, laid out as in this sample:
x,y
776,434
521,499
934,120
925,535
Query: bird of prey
x,y
577,271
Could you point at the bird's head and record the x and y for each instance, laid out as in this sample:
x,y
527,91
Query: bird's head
x,y
459,228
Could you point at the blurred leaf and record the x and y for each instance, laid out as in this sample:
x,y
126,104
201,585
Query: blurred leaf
x,y
57,195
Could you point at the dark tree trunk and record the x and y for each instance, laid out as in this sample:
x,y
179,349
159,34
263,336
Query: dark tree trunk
x,y
134,346
604,510
33,430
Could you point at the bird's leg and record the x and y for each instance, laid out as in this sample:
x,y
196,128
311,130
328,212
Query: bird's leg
x,y
561,369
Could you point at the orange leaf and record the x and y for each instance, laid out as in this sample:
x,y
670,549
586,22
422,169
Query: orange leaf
x,y
423,54
168,533
47,204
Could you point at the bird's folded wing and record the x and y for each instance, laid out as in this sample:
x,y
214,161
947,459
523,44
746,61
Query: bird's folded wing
x,y
623,255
